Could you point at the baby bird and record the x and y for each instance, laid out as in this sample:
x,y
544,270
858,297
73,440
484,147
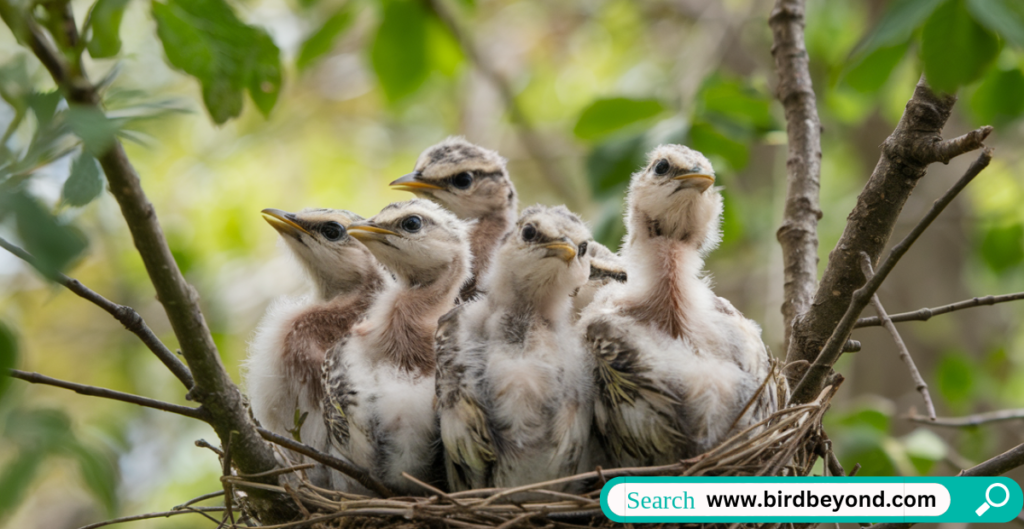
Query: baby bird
x,y
471,182
605,267
380,378
514,381
287,354
676,366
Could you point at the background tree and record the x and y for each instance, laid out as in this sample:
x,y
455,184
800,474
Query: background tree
x,y
346,95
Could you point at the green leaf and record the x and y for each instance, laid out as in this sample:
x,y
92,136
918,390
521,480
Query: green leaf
x,y
1004,17
605,116
897,24
44,105
925,448
105,22
998,100
85,182
738,103
399,49
8,360
955,374
871,71
322,40
612,162
206,40
1003,247
712,142
54,244
955,49
99,474
16,477
91,124
869,417
42,429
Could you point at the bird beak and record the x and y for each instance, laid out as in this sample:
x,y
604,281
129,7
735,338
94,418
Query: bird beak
x,y
368,232
283,222
699,180
561,249
412,183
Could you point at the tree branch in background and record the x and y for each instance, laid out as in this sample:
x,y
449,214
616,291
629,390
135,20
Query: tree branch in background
x,y
126,315
798,234
528,137
926,314
971,420
812,382
919,382
915,143
149,516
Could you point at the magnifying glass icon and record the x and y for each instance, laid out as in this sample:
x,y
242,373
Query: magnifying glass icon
x,y
988,500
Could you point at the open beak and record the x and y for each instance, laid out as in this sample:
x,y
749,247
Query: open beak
x,y
368,232
699,180
560,249
412,183
283,222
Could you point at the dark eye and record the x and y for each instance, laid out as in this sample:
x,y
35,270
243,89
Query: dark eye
x,y
661,167
529,233
412,224
463,180
583,249
332,231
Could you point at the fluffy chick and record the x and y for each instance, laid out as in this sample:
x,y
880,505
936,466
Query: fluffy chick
x,y
606,267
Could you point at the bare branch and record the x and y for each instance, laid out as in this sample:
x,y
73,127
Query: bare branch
x,y
798,233
814,380
189,510
906,153
93,391
971,420
926,314
919,382
124,314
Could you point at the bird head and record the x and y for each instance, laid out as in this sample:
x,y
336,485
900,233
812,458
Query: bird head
x,y
417,240
674,197
319,238
466,179
547,254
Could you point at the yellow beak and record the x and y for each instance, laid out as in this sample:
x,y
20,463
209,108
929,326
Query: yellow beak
x,y
369,232
560,249
282,223
699,180
412,183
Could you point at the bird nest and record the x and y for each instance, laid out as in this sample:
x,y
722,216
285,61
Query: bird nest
x,y
788,443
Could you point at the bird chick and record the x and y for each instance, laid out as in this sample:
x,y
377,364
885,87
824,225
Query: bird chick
x,y
471,182
676,366
606,267
514,381
286,355
380,378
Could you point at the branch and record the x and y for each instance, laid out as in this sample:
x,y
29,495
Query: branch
x,y
93,391
926,314
188,510
915,143
359,474
970,420
126,315
798,233
534,145
814,380
919,382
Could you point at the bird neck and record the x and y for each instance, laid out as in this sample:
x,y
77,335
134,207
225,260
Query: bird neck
x,y
487,235
544,297
666,284
368,282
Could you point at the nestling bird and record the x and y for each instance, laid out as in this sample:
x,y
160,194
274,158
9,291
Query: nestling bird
x,y
514,381
286,355
471,182
380,378
606,267
676,365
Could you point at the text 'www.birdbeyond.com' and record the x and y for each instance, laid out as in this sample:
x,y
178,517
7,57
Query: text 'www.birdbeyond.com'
x,y
812,499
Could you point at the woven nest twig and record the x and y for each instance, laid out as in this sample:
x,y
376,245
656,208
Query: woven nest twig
x,y
788,443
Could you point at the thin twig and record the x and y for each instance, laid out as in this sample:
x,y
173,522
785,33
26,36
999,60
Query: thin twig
x,y
817,373
165,514
203,443
197,499
94,391
229,494
919,382
971,420
124,314
926,314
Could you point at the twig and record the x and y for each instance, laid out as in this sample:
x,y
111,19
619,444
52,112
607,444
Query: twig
x,y
971,420
165,514
926,314
362,476
798,233
124,314
93,391
197,499
919,382
203,443
812,381
228,491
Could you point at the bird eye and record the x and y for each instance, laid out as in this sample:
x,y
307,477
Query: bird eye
x,y
463,180
661,167
412,224
583,249
529,233
332,231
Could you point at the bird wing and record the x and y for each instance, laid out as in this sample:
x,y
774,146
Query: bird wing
x,y
337,394
469,449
